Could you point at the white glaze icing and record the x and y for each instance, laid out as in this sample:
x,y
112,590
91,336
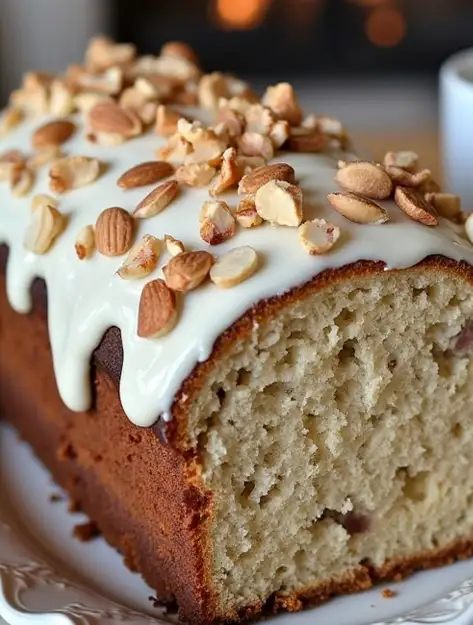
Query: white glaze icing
x,y
85,298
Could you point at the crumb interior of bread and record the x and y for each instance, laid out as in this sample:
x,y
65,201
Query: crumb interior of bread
x,y
341,431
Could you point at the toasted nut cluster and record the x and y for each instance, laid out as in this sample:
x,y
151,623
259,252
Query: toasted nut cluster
x,y
73,172
144,174
280,202
85,242
157,313
318,236
234,267
358,209
173,246
367,179
229,173
187,270
142,258
217,223
114,231
157,200
46,225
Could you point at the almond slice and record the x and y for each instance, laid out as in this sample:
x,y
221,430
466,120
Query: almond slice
x,y
21,182
157,200
415,206
246,214
85,242
217,223
73,172
314,141
43,200
358,209
173,246
108,117
157,313
406,179
318,236
114,231
45,226
405,159
280,202
195,174
142,259
144,174
234,267
282,100
229,173
446,204
187,270
261,175
364,178
53,133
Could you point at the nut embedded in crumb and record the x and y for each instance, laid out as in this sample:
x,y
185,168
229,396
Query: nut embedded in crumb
x,y
234,267
21,182
173,246
114,231
250,183
217,223
280,202
42,199
246,214
446,204
45,226
142,259
254,144
364,178
157,200
157,313
73,172
359,210
187,270
195,174
405,159
144,174
53,133
85,242
282,100
415,206
318,236
229,173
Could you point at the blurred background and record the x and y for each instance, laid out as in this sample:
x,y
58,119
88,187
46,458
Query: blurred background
x,y
373,63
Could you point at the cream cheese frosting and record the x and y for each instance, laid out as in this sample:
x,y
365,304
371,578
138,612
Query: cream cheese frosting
x,y
87,297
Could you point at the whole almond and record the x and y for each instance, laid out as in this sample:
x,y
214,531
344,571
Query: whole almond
x,y
187,270
364,178
360,210
261,175
145,173
53,133
415,206
109,117
157,200
114,231
314,141
157,313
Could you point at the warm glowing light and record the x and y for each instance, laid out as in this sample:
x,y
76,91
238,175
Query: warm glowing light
x,y
241,14
385,27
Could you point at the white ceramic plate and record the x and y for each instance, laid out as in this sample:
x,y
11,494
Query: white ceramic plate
x,y
48,578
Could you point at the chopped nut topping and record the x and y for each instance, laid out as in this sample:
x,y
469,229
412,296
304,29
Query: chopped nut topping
x,y
85,243
229,173
314,141
53,133
234,267
250,183
187,270
179,49
280,202
282,100
246,214
360,210
234,121
405,160
31,102
415,206
103,53
318,236
157,313
144,174
9,120
21,182
85,102
114,231
46,225
173,246
248,163
110,118
175,151
142,259
446,204
217,223
157,200
10,162
254,144
212,87
327,125
44,156
195,174
280,133
259,119
43,200
73,172
61,99
367,179
109,82
166,121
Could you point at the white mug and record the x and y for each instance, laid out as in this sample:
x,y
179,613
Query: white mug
x,y
456,118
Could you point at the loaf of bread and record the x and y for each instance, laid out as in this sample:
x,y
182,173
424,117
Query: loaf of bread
x,y
245,354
